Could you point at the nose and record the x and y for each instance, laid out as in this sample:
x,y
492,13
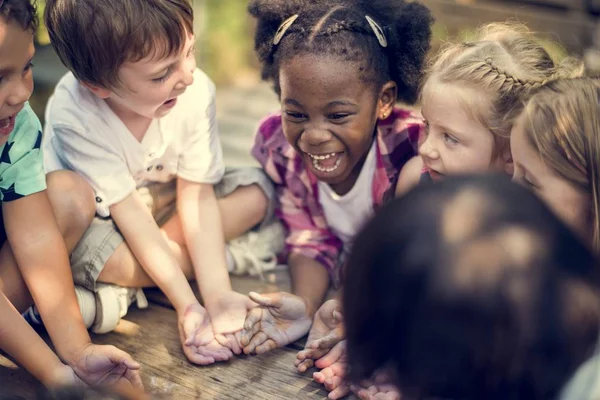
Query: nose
x,y
427,149
316,136
187,77
19,94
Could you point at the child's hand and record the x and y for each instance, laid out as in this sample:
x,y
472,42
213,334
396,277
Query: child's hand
x,y
227,312
333,371
378,392
106,366
327,331
280,319
197,337
378,388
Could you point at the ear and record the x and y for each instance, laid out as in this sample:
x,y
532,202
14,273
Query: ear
x,y
387,99
97,90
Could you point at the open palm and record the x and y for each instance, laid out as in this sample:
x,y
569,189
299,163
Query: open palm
x,y
280,318
106,366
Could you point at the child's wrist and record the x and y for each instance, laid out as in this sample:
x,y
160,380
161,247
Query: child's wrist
x,y
71,355
311,307
57,375
185,309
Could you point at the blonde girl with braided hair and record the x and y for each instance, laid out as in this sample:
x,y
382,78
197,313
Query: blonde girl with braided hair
x,y
468,102
555,144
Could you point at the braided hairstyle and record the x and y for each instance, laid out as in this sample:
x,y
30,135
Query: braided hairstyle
x,y
339,28
506,62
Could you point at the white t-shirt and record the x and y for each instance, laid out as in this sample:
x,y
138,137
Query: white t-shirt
x,y
84,135
347,214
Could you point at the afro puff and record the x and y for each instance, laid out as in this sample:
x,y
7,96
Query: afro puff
x,y
340,27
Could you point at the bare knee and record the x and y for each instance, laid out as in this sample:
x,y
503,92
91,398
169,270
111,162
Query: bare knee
x,y
72,200
256,202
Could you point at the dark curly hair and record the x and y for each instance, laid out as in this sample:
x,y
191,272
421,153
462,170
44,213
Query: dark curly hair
x,y
470,289
339,27
23,12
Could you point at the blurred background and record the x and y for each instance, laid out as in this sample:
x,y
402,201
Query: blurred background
x,y
225,51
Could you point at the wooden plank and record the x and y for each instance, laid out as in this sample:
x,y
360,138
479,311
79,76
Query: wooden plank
x,y
560,4
571,29
150,336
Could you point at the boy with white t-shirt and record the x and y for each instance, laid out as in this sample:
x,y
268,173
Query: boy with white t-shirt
x,y
136,118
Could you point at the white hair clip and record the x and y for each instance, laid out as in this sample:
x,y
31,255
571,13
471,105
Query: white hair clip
x,y
378,31
285,25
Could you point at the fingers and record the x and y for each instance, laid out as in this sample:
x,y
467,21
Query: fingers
x,y
342,390
190,330
134,379
117,356
337,316
327,341
309,354
258,339
334,355
267,300
230,341
251,325
191,352
268,345
303,366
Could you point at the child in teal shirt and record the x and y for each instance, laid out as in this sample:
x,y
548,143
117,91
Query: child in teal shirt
x,y
43,219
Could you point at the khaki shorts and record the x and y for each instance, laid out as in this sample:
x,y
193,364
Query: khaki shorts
x,y
103,237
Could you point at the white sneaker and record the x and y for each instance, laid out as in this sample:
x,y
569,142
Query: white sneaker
x,y
87,306
112,303
255,252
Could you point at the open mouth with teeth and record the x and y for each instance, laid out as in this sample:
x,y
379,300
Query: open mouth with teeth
x,y
7,125
327,162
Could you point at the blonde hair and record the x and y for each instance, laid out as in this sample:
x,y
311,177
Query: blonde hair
x,y
562,121
505,62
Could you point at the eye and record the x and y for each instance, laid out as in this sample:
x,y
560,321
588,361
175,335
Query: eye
x,y
164,77
528,183
338,116
191,52
295,115
28,67
450,139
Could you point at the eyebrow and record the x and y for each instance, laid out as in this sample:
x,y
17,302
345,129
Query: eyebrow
x,y
292,102
175,62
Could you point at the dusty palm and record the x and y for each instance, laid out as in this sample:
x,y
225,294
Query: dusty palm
x,y
280,318
106,366
327,331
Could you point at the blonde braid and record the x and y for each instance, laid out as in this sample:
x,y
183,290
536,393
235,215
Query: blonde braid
x,y
513,80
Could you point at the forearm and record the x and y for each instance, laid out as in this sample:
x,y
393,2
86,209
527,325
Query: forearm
x,y
310,280
152,251
21,342
41,254
203,231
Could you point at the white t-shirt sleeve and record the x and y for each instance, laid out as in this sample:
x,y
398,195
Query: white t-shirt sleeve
x,y
98,162
201,159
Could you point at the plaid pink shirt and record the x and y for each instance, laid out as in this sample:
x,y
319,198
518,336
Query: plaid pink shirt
x,y
298,194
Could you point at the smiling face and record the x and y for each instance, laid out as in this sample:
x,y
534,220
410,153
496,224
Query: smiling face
x,y
150,87
568,201
455,141
329,115
16,79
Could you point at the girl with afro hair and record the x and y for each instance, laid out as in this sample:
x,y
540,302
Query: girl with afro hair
x,y
336,149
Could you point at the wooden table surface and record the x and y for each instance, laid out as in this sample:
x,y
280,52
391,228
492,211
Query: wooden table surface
x,y
150,336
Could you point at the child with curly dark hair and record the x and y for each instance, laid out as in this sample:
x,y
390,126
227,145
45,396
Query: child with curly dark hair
x,y
473,289
339,143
